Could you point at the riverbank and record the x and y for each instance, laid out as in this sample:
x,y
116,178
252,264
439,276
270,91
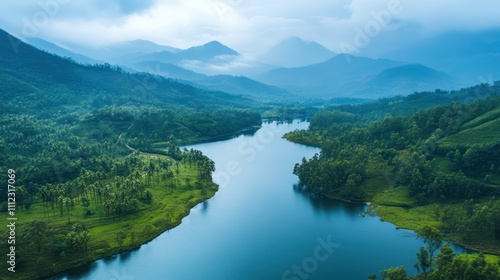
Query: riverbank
x,y
108,234
393,205
415,217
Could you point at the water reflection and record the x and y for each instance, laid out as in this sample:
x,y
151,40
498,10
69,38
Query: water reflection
x,y
325,205
204,206
78,272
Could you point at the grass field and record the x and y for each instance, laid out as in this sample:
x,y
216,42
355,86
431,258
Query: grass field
x,y
169,206
484,133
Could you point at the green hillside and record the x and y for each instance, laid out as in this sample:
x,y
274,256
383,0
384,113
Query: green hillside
x,y
477,132
92,157
436,167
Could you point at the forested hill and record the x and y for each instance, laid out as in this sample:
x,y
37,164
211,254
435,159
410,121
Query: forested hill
x,y
94,154
440,164
45,82
412,103
44,95
50,87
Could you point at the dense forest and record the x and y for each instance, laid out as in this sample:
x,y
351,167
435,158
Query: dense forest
x,y
424,167
93,154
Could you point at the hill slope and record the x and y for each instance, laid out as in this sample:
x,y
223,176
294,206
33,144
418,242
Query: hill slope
x,y
237,85
403,80
51,82
69,131
60,51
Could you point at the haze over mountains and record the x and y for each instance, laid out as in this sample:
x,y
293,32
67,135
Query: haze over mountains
x,y
470,56
295,52
357,77
54,83
296,69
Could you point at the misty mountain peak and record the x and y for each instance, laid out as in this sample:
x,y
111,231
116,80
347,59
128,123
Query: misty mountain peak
x,y
209,50
295,52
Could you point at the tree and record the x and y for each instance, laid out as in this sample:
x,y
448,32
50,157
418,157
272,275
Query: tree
x,y
120,239
423,260
37,233
84,239
444,257
433,238
394,273
68,203
78,237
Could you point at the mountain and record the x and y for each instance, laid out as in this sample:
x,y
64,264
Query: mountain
x,y
122,52
60,51
328,79
340,68
237,85
212,58
403,80
140,46
203,53
231,84
470,56
45,84
294,52
240,85
206,52
356,77
167,70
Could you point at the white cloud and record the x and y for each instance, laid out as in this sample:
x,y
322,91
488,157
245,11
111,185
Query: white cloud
x,y
248,26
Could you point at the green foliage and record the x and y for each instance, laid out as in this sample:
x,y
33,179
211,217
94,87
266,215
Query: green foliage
x,y
96,146
347,142
421,100
473,221
89,237
450,266
78,237
440,164
444,257
394,273
37,232
433,238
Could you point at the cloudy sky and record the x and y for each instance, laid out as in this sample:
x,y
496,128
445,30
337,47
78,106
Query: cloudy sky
x,y
245,25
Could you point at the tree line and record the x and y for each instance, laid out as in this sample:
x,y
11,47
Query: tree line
x,y
421,153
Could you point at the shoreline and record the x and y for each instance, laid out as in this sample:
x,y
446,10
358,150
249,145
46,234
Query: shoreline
x,y
131,248
166,214
465,246
103,247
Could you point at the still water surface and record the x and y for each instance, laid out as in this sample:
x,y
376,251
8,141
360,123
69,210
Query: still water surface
x,y
259,226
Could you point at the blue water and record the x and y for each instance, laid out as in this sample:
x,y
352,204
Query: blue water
x,y
259,226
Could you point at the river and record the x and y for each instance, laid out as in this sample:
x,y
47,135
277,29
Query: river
x,y
259,226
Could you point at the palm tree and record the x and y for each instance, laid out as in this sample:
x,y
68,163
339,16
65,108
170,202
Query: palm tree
x,y
67,202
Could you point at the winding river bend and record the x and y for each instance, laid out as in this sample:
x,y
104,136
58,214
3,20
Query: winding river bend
x,y
258,226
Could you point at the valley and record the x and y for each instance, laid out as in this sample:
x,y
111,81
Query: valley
x,y
114,147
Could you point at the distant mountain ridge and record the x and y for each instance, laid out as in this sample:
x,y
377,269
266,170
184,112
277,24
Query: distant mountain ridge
x,y
295,52
357,77
216,66
404,80
237,85
55,49
207,51
470,56
203,53
54,83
